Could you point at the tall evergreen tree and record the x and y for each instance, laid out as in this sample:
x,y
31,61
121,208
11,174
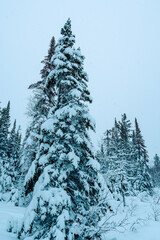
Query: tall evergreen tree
x,y
17,155
26,157
11,165
127,153
134,162
9,156
4,130
155,171
12,141
116,172
104,153
157,162
48,66
41,102
125,134
12,156
68,188
144,179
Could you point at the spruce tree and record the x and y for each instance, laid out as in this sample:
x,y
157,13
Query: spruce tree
x,y
12,141
4,130
43,99
125,133
48,66
12,156
127,153
155,171
9,157
134,163
11,167
157,162
144,182
5,180
17,155
27,156
102,155
68,188
117,163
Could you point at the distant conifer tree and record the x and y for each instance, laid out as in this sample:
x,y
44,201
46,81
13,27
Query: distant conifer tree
x,y
4,130
124,160
9,156
144,179
155,171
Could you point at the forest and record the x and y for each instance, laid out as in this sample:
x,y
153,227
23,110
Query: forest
x,y
68,189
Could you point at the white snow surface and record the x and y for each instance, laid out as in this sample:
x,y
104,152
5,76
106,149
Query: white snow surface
x,y
7,212
94,163
140,225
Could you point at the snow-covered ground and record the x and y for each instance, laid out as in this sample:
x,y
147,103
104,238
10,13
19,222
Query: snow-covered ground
x,y
8,211
141,219
151,231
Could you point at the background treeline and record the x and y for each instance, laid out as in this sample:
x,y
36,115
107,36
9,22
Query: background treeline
x,y
124,160
10,151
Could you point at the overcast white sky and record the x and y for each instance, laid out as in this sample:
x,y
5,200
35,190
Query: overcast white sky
x,y
120,40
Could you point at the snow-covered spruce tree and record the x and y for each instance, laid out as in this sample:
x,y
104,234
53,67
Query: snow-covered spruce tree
x,y
4,130
9,156
119,162
155,171
13,169
41,102
144,181
117,166
68,188
5,180
157,162
12,165
26,157
103,153
48,66
133,163
115,172
127,153
12,141
11,160
17,165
